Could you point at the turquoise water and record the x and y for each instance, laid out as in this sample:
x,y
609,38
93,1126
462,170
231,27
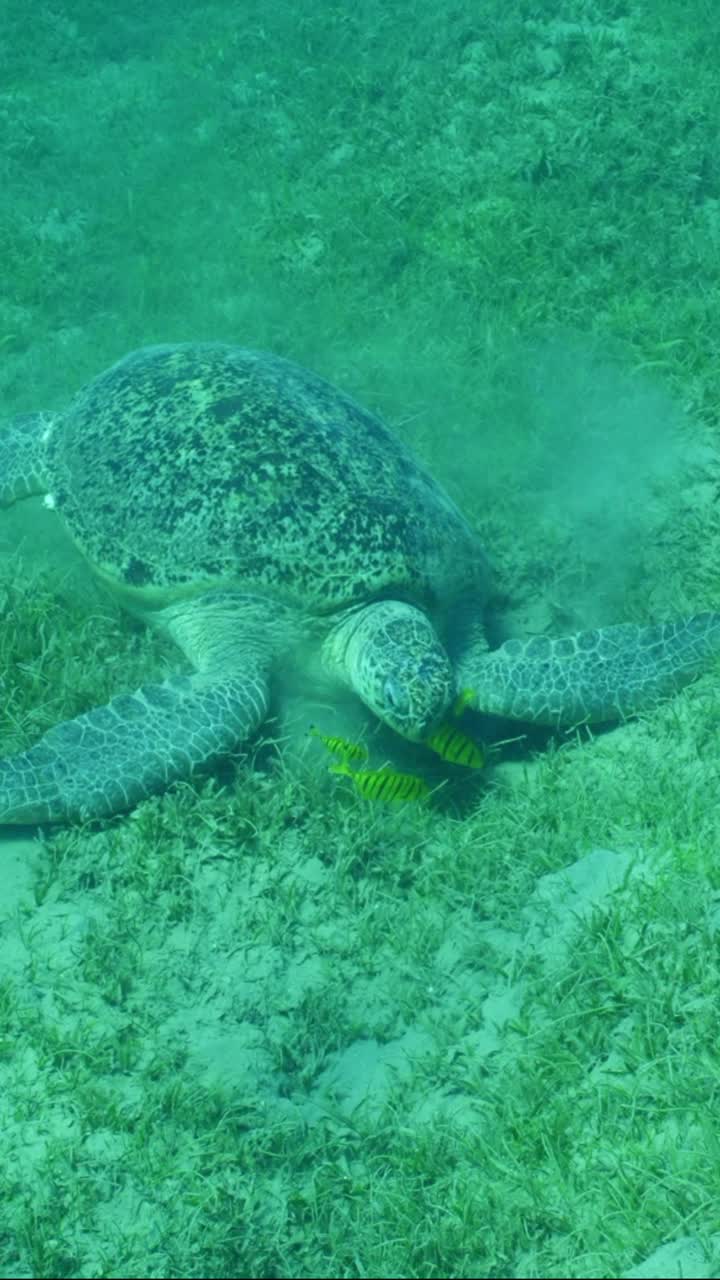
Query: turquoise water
x,y
261,1025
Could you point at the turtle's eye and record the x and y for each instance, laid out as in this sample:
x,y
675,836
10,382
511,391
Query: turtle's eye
x,y
395,695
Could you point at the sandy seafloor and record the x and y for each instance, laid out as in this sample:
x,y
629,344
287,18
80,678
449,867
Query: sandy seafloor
x,y
258,1026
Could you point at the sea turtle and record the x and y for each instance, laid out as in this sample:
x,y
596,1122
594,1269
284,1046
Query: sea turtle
x,y
269,524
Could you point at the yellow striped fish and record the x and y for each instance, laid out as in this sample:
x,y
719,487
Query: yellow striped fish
x,y
340,746
450,743
384,784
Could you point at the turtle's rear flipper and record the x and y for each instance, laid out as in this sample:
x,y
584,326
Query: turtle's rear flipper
x,y
110,758
593,676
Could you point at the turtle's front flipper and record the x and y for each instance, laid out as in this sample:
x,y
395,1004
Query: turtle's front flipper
x,y
110,758
22,456
592,676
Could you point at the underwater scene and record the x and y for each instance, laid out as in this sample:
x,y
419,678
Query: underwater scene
x,y
360,604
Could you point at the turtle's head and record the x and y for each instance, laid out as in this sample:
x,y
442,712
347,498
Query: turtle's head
x,y
389,653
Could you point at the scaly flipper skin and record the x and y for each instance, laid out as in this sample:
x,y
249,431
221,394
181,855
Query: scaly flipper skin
x,y
593,676
110,758
22,456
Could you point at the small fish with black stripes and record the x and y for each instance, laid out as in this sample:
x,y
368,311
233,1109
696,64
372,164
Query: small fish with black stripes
x,y
340,746
384,784
451,744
